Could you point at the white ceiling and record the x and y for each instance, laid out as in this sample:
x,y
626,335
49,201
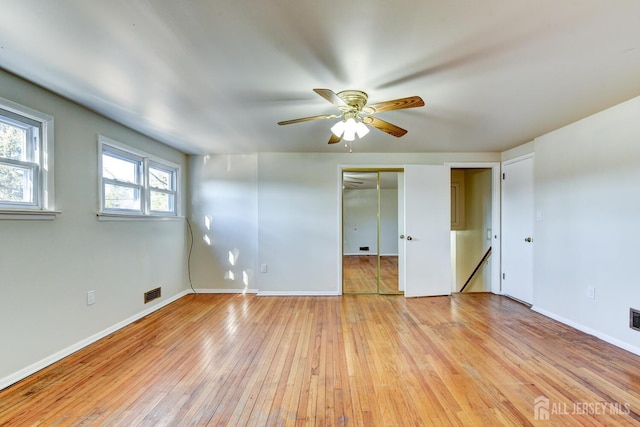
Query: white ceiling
x,y
215,76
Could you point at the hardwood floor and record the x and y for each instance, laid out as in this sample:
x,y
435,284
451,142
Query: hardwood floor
x,y
359,274
243,360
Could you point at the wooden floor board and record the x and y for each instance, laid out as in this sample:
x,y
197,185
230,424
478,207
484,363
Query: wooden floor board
x,y
357,360
360,274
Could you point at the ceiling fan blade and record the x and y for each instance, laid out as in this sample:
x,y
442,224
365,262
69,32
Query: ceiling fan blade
x,y
396,104
384,126
331,96
334,139
306,119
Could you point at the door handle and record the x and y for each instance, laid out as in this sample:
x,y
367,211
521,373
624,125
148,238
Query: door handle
x,y
409,238
402,236
528,239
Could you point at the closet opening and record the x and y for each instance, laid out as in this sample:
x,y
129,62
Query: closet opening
x,y
372,218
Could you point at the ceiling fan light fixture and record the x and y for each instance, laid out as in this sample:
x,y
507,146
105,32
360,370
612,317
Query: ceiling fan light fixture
x,y
338,128
350,129
349,136
356,115
361,129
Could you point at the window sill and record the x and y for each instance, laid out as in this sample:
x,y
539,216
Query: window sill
x,y
104,216
26,214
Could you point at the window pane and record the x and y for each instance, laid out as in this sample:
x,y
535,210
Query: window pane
x,y
13,142
118,197
162,202
16,184
120,169
159,178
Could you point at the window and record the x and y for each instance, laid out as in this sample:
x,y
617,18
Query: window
x,y
134,183
26,160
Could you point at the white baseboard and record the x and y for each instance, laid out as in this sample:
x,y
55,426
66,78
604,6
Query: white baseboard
x,y
226,291
369,253
268,293
298,293
32,369
604,337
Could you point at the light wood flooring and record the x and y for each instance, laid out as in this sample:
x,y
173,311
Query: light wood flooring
x,y
244,360
359,274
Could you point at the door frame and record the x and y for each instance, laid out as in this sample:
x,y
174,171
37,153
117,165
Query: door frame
x,y
528,156
496,225
359,168
340,171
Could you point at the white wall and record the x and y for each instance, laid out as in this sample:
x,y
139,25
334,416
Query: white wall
x,y
587,181
298,215
47,267
224,220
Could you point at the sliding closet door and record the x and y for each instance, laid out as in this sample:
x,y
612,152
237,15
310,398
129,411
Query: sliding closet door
x,y
388,233
360,232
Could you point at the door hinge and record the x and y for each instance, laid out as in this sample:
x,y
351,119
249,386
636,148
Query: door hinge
x,y
503,176
503,276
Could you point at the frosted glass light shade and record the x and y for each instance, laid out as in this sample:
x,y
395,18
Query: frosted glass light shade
x,y
350,130
361,129
338,128
347,129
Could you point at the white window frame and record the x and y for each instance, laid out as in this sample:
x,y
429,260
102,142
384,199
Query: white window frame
x,y
41,166
146,161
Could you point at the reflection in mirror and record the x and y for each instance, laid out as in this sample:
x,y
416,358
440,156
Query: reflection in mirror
x,y
389,233
360,232
370,247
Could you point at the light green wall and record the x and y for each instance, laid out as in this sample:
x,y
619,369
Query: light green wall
x,y
47,267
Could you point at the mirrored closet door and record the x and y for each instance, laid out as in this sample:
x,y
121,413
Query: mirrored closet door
x,y
370,231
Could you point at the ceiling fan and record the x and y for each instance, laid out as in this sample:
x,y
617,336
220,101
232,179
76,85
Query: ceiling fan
x,y
355,114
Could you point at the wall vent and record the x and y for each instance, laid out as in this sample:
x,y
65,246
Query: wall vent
x,y
634,319
364,248
152,294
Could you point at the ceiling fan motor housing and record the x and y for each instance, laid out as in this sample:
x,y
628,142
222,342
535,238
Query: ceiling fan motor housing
x,y
356,99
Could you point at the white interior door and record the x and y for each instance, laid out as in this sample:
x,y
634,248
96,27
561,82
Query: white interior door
x,y
517,229
427,263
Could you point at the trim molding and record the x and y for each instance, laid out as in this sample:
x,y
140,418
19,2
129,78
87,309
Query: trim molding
x,y
368,254
34,214
518,159
604,337
226,291
298,293
32,369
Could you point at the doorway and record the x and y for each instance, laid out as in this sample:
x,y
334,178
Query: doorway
x,y
476,226
471,229
370,231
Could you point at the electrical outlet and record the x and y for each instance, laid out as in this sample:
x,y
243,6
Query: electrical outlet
x,y
591,292
263,268
91,297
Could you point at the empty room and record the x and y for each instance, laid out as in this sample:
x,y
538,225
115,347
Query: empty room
x,y
360,213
